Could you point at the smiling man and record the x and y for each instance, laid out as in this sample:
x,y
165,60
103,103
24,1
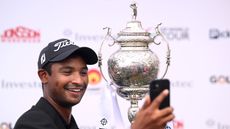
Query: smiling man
x,y
62,69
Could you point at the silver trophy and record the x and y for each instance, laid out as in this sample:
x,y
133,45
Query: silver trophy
x,y
134,65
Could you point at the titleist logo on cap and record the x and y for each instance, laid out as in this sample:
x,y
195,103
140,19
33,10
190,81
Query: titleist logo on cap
x,y
62,44
43,58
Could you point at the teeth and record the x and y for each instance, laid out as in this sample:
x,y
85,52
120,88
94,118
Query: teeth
x,y
75,90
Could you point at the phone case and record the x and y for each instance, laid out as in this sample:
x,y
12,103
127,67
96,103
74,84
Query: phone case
x,y
156,87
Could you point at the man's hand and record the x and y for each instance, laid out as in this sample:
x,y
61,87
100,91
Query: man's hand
x,y
150,116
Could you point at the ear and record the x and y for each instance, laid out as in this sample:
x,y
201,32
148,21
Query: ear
x,y
43,75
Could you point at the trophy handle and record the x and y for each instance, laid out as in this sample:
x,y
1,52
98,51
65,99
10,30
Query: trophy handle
x,y
168,54
100,54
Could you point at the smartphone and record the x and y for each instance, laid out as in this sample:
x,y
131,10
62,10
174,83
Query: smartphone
x,y
156,87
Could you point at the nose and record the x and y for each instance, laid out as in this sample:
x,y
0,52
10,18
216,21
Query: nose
x,y
78,79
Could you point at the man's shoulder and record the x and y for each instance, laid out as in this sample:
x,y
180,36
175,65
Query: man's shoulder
x,y
33,114
34,119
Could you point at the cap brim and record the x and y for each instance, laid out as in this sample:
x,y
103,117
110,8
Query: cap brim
x,y
86,53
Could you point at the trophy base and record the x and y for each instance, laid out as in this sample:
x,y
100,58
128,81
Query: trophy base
x,y
133,94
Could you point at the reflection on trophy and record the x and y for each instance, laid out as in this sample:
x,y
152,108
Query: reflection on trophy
x,y
134,65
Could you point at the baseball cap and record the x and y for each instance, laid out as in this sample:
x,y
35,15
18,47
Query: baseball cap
x,y
61,49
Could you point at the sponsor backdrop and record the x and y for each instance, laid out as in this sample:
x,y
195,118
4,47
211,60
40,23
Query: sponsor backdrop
x,y
198,32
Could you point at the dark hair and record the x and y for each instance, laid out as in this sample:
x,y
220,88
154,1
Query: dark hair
x,y
47,68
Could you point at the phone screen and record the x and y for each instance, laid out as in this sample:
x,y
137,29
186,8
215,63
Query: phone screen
x,y
156,87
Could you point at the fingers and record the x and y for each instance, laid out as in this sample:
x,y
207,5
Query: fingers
x,y
167,112
166,115
157,101
167,118
146,103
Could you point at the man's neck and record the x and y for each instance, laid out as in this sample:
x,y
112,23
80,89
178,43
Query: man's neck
x,y
63,111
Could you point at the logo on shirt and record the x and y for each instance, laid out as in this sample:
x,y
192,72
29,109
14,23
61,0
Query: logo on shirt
x,y
103,121
167,127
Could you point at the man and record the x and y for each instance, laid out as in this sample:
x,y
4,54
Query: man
x,y
62,69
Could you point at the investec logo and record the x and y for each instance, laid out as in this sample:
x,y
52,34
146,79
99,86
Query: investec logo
x,y
20,34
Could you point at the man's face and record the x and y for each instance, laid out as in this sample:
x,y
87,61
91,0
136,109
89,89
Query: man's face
x,y
68,82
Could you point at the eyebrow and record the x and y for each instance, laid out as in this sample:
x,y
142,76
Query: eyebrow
x,y
70,67
86,68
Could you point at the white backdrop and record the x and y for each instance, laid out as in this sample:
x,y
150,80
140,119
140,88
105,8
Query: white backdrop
x,y
198,32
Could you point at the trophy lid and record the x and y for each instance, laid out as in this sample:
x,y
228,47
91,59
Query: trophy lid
x,y
134,31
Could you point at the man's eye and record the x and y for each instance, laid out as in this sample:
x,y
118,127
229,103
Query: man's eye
x,y
67,72
84,72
